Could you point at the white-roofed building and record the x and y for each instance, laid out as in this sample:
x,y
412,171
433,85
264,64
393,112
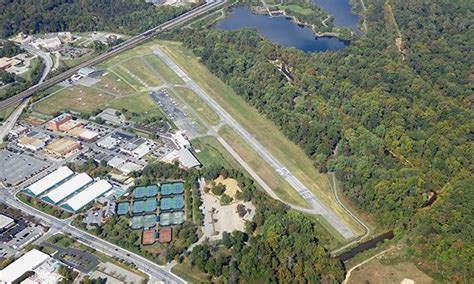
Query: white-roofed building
x,y
68,188
181,140
108,142
129,167
187,159
5,222
184,156
116,162
49,181
78,201
28,262
141,150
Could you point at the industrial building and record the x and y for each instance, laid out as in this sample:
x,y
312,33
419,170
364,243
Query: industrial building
x,y
49,181
185,158
83,134
6,222
181,140
108,143
68,188
80,200
56,122
28,262
34,140
62,147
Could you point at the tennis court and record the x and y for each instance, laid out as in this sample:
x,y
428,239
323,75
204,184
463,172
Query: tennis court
x,y
174,218
138,207
145,191
171,203
123,208
177,217
172,188
147,205
150,205
147,221
165,219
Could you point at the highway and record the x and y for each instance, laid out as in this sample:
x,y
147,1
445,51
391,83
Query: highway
x,y
317,206
11,120
131,42
48,62
155,271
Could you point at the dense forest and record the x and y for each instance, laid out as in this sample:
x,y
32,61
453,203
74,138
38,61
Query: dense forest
x,y
121,16
391,115
279,246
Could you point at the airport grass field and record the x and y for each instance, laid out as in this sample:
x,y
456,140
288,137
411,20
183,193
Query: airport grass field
x,y
77,98
265,131
198,105
211,153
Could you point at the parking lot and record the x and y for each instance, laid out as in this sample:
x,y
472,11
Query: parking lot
x,y
16,167
170,107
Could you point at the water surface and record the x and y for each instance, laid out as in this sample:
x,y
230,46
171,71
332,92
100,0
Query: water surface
x,y
280,30
341,11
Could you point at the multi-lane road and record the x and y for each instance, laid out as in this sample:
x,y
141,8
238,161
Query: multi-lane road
x,y
131,42
155,271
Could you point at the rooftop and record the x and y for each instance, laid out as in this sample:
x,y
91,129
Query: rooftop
x,y
5,221
27,262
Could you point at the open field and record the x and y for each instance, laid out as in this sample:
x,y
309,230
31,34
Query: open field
x,y
78,98
163,69
122,73
376,272
263,169
265,131
139,69
189,274
211,153
296,9
139,107
202,109
114,84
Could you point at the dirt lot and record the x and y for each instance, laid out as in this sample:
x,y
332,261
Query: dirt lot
x,y
231,185
223,218
376,272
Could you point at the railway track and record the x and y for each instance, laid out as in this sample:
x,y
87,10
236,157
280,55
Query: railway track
x,y
130,43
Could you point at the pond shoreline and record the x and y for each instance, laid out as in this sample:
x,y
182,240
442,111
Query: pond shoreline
x,y
281,29
260,10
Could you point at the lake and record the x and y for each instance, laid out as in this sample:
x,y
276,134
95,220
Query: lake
x,y
280,30
341,11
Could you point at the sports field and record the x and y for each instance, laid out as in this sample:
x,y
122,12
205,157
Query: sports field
x,y
265,131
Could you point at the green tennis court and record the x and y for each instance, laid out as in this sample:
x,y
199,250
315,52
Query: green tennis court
x,y
123,208
172,188
146,191
172,203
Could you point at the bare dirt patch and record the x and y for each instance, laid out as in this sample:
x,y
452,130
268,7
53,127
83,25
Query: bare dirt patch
x,y
376,272
219,219
231,185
